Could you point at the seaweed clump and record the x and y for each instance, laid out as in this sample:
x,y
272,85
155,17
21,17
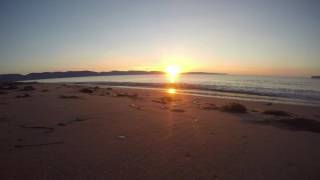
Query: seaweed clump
x,y
234,108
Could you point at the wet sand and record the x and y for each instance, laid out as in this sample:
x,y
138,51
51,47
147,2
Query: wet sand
x,y
57,131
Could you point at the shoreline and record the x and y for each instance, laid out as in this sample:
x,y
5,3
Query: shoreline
x,y
295,90
205,93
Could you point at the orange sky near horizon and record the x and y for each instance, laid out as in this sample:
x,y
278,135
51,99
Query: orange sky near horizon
x,y
185,66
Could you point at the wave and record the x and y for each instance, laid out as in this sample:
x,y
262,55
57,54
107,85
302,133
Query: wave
x,y
295,95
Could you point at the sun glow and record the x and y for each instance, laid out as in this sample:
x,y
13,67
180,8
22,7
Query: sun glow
x,y
171,91
173,72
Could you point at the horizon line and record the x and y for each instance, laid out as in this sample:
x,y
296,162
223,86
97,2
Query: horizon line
x,y
156,71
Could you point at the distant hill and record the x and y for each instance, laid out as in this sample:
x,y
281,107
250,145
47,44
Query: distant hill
x,y
11,77
68,74
315,77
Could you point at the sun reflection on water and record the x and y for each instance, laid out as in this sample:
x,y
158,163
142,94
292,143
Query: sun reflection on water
x,y
171,90
172,73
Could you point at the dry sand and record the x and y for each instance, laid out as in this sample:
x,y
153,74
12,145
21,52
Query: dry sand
x,y
59,132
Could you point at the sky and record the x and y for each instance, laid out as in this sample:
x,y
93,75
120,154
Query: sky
x,y
270,37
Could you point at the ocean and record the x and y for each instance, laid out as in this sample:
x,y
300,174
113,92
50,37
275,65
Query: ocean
x,y
288,90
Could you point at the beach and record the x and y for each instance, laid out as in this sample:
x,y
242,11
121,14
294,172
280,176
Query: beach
x,y
63,131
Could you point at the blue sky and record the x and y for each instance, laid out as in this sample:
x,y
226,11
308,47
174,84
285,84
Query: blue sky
x,y
238,37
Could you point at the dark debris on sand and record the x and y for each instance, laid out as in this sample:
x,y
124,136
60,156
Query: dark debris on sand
x,y
8,86
177,110
27,88
23,96
45,128
69,97
86,90
126,95
61,124
234,108
81,119
209,106
73,121
3,119
294,124
2,92
276,113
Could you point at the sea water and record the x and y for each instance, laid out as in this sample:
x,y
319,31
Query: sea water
x,y
295,90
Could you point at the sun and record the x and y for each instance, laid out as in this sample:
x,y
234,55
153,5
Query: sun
x,y
173,72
